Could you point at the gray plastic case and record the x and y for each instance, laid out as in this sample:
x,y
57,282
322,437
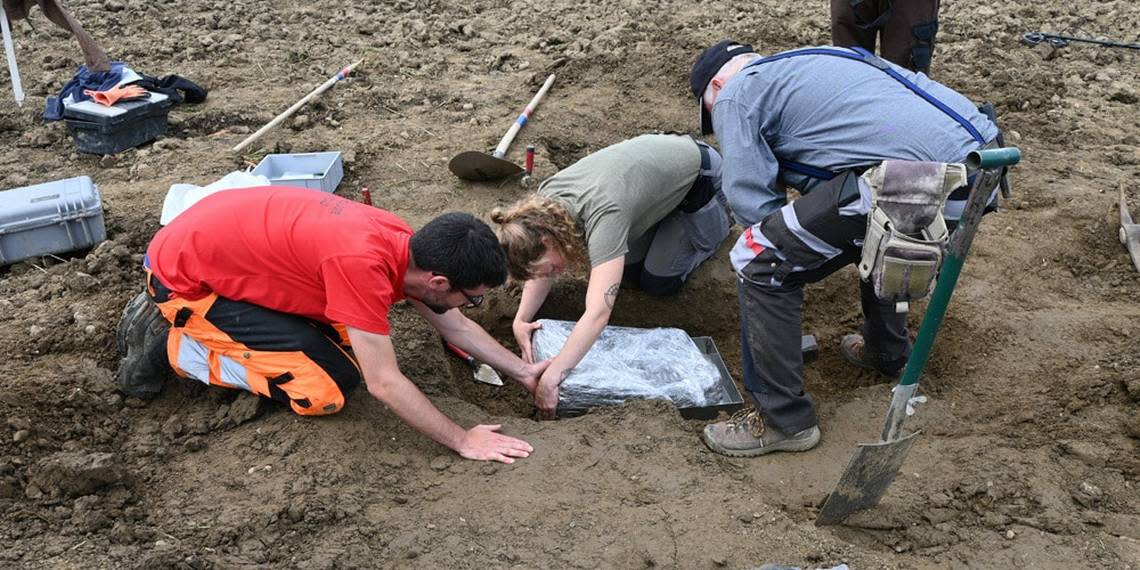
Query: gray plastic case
x,y
49,218
317,170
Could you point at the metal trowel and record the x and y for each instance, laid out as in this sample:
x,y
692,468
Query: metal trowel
x,y
483,371
1129,232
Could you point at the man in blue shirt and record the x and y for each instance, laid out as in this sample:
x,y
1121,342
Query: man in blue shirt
x,y
813,119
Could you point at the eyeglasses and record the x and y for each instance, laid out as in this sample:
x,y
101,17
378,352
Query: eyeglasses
x,y
472,302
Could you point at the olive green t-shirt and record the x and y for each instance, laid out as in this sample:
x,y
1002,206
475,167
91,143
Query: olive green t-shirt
x,y
621,191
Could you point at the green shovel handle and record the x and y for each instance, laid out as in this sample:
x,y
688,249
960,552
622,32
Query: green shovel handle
x,y
932,320
993,158
989,165
987,162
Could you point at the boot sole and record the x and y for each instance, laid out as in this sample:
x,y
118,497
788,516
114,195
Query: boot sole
x,y
145,391
142,370
123,335
786,445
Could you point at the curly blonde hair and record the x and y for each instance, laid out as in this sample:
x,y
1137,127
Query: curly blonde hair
x,y
522,226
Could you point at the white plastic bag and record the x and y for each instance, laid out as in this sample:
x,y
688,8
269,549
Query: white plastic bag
x,y
631,363
182,196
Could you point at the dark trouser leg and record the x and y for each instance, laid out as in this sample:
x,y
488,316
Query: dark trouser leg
x,y
680,244
635,259
773,364
885,341
908,37
845,20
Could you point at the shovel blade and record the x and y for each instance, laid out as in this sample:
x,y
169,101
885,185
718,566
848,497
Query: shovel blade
x,y
866,479
481,167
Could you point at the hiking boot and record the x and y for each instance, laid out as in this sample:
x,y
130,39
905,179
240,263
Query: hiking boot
x,y
142,344
744,435
852,348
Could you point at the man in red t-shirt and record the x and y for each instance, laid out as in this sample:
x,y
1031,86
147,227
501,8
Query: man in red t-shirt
x,y
285,292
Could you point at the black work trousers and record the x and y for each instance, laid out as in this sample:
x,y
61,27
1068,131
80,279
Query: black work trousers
x,y
771,317
770,330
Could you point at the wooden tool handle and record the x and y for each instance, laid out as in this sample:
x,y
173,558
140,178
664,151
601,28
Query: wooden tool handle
x,y
523,117
285,115
10,54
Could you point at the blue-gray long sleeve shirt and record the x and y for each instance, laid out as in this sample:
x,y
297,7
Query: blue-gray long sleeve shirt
x,y
831,113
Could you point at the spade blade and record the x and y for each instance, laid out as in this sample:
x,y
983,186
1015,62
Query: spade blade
x,y
481,167
866,479
1129,232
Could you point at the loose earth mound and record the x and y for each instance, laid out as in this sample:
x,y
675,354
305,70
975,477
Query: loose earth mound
x,y
1028,456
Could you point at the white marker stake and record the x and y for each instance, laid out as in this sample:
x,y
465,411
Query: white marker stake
x,y
10,51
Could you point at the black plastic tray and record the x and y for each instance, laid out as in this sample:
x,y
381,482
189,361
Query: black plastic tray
x,y
733,400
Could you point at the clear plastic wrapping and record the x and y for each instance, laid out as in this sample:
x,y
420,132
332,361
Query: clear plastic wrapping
x,y
632,363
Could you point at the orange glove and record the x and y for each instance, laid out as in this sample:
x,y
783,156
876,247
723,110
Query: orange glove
x,y
112,96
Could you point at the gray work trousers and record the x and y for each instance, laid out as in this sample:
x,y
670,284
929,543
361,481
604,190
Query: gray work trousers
x,y
660,261
771,295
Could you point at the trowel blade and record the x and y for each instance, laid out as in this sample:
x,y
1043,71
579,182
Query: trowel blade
x,y
488,375
866,479
1129,232
481,167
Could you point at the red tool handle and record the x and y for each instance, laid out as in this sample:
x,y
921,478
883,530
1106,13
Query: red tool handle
x,y
529,159
459,352
367,196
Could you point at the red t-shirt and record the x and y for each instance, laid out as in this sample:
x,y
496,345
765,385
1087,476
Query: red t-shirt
x,y
293,250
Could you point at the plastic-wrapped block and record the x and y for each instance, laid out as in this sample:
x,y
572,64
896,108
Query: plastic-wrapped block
x,y
317,170
54,217
631,363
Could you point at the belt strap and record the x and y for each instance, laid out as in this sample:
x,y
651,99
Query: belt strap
x,y
706,161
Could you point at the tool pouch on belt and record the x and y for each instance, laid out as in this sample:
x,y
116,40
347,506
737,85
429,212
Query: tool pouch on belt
x,y
906,235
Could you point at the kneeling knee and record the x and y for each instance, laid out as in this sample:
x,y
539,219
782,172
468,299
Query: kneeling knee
x,y
323,405
661,286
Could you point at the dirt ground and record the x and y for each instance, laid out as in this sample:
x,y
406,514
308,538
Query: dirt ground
x,y
1029,451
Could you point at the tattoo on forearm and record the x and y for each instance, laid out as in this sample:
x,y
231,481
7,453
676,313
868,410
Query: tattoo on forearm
x,y
611,295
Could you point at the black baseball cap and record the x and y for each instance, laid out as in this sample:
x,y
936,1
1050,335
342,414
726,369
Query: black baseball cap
x,y
704,69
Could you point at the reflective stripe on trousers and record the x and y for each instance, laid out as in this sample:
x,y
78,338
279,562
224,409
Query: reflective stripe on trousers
x,y
232,344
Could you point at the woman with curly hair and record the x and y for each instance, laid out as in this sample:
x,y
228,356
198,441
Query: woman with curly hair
x,y
644,212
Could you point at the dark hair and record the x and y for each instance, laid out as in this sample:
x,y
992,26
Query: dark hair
x,y
462,248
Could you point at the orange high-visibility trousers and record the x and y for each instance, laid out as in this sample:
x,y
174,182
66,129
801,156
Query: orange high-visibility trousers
x,y
290,359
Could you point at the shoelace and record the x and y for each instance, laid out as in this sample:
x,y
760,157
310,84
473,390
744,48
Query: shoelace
x,y
748,417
